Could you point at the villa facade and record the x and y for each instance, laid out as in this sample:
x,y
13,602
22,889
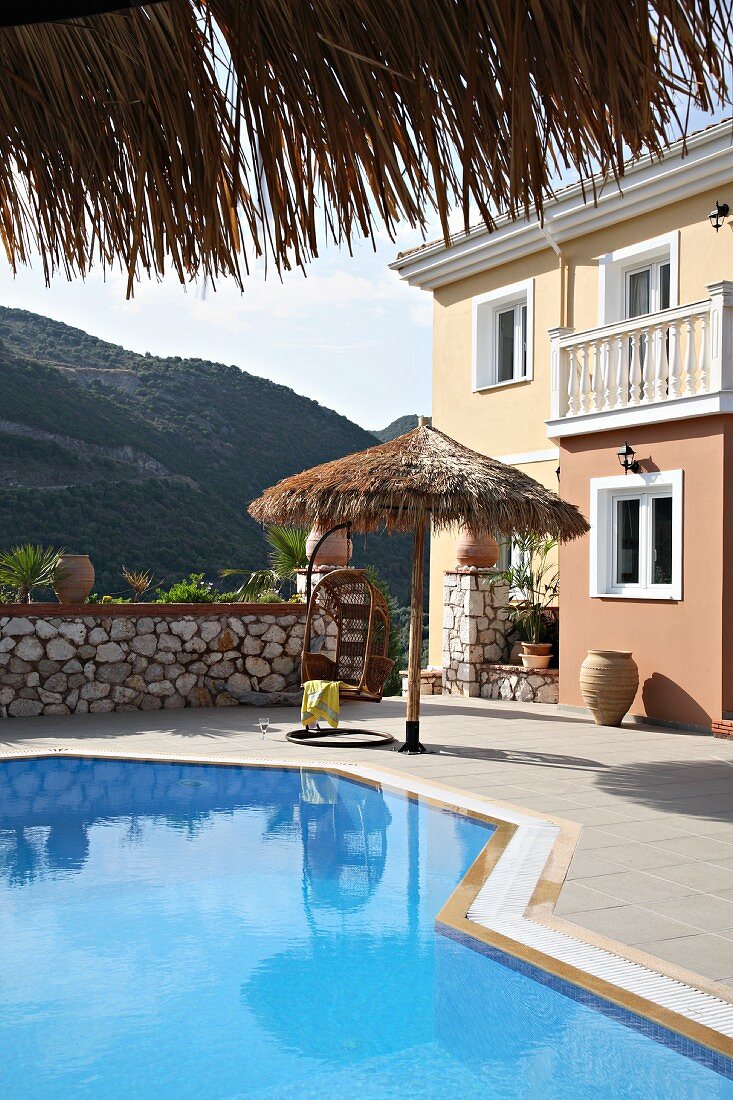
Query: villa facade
x,y
557,345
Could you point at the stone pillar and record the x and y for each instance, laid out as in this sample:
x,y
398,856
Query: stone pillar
x,y
476,627
319,572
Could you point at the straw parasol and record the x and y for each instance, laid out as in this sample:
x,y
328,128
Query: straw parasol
x,y
418,478
194,135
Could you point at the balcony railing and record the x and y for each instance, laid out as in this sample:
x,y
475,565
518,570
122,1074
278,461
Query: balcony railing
x,y
677,353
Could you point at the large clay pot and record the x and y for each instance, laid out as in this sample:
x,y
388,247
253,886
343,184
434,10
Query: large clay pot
x,y
482,551
75,578
336,550
608,682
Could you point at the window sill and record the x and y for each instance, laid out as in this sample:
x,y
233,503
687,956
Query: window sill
x,y
646,594
502,385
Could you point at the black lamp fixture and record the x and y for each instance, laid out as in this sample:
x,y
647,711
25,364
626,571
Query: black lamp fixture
x,y
627,457
717,215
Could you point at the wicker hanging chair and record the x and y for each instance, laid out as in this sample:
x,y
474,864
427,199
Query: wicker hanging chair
x,y
348,599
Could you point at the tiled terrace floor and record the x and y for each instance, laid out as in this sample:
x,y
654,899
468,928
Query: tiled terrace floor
x,y
654,864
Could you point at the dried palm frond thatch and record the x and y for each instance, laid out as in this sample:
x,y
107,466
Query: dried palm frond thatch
x,y
418,477
197,134
402,485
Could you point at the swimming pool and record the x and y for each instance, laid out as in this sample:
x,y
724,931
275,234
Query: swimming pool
x,y
180,930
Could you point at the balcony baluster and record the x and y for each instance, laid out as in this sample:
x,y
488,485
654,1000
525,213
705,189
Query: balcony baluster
x,y
673,386
690,365
703,379
661,366
635,374
584,380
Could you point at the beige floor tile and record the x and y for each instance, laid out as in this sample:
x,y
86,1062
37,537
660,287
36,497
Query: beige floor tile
x,y
592,839
592,865
648,832
707,954
708,877
600,815
709,849
576,898
641,857
634,925
711,913
640,888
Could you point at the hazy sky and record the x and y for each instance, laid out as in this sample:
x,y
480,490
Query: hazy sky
x,y
349,333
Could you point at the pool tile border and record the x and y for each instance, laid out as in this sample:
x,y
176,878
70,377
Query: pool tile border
x,y
504,905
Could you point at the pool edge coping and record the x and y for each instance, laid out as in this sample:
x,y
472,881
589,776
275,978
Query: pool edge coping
x,y
500,930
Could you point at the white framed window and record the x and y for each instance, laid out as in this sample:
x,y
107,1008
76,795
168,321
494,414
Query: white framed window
x,y
647,289
503,323
636,536
642,278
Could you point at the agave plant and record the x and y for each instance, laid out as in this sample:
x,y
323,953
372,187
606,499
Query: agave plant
x,y
29,566
138,580
287,554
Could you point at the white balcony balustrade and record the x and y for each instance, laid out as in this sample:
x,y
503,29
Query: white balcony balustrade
x,y
683,352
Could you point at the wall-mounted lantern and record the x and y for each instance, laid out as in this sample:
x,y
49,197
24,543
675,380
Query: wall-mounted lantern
x,y
627,458
718,214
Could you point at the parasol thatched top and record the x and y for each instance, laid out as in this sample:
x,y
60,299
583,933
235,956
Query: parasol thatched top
x,y
196,134
421,476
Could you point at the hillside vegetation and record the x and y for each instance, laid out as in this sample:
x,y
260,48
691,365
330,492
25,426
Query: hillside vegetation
x,y
150,462
398,427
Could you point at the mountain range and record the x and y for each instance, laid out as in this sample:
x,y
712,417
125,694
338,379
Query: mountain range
x,y
150,462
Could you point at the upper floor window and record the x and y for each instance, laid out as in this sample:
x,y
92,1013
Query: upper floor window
x,y
502,336
642,278
636,536
647,289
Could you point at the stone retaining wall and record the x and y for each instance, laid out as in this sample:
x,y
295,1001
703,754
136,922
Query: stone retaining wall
x,y
431,681
146,656
526,685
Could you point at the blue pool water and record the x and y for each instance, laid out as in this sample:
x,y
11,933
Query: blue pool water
x,y
206,932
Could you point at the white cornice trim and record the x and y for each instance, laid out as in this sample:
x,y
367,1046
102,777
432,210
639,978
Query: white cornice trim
x,y
524,458
646,185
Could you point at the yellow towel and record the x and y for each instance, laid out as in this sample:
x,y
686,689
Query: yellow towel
x,y
320,701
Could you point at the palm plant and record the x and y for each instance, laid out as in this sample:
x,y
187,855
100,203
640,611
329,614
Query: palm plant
x,y
287,555
533,582
29,566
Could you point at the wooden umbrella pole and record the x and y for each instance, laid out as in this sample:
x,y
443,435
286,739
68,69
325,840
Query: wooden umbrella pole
x,y
412,726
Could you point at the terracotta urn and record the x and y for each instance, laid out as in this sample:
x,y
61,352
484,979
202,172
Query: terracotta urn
x,y
335,551
608,682
479,551
536,654
74,578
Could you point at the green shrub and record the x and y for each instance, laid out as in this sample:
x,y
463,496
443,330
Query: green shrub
x,y
95,598
192,589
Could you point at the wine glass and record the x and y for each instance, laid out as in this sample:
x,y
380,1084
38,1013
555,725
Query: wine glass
x,y
264,724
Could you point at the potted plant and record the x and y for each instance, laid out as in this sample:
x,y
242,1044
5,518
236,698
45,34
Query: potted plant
x,y
24,568
533,583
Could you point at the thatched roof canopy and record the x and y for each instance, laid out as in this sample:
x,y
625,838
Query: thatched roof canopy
x,y
418,477
196,134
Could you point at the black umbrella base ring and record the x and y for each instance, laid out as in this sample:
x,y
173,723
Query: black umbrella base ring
x,y
341,738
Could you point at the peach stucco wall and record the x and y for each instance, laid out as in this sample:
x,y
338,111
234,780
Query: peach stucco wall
x,y
679,646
